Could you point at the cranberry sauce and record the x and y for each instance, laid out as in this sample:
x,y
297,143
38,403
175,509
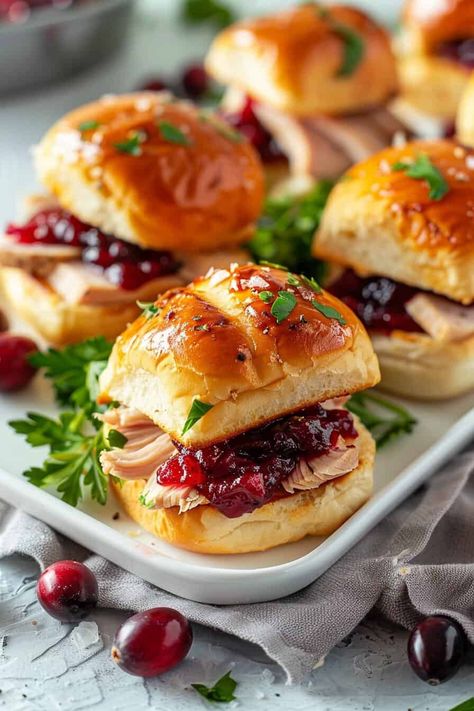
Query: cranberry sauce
x,y
460,51
378,302
243,473
123,264
247,122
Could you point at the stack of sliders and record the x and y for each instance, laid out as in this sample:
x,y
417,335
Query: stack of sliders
x,y
231,395
309,87
402,224
436,58
144,193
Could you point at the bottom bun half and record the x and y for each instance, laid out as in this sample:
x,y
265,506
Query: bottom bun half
x,y
414,365
317,512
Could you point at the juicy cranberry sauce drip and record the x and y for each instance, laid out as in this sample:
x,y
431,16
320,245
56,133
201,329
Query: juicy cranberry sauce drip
x,y
460,51
123,264
245,472
378,302
247,122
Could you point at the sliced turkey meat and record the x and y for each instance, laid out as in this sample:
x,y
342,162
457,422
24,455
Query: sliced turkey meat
x,y
157,496
311,473
443,320
37,259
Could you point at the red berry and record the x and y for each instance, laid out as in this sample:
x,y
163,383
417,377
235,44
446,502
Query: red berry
x,y
436,648
67,590
195,81
152,642
154,84
15,370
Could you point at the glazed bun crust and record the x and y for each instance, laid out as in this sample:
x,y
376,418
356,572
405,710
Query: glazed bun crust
x,y
416,366
381,221
186,183
431,23
317,512
217,341
465,116
57,321
291,61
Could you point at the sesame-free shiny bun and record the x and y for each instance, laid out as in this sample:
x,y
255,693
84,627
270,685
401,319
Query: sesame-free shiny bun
x,y
154,171
292,60
432,22
218,341
378,220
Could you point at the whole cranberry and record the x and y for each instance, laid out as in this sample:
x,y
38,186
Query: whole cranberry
x,y
15,369
67,590
152,642
154,84
436,648
195,81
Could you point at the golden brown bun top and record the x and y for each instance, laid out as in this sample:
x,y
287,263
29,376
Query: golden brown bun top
x,y
433,22
160,193
291,60
423,224
218,341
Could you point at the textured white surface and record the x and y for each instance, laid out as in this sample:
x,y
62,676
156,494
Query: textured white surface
x,y
43,665
42,668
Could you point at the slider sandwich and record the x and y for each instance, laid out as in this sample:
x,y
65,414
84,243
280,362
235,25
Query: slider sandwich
x,y
436,58
231,397
309,87
465,116
144,193
401,224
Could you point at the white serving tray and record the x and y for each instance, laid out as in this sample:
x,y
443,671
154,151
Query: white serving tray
x,y
443,429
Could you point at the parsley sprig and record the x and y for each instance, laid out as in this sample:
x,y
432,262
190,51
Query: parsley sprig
x,y
467,705
383,418
423,169
222,691
285,231
212,11
197,411
76,437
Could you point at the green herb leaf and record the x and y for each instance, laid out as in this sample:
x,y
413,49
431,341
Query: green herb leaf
x,y
222,691
286,229
283,305
292,280
116,439
143,501
266,296
212,11
198,410
273,265
329,312
74,371
312,284
382,417
465,705
73,462
149,308
173,134
88,126
132,145
354,49
423,169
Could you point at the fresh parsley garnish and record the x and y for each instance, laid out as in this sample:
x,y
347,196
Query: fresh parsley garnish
x,y
171,133
116,439
273,265
292,280
198,410
266,296
283,305
132,145
222,691
88,126
72,464
382,417
286,229
74,371
143,501
312,284
329,312
465,705
149,308
423,169
212,11
354,44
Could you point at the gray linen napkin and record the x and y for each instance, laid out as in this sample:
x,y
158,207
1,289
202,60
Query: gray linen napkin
x,y
419,560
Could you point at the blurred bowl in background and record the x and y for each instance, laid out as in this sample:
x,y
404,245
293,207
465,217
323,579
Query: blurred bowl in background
x,y
54,43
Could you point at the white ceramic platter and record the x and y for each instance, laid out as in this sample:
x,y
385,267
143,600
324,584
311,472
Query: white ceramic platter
x,y
443,429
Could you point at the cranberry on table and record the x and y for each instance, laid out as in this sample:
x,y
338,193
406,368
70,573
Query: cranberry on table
x,y
15,369
67,590
195,81
152,642
436,648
